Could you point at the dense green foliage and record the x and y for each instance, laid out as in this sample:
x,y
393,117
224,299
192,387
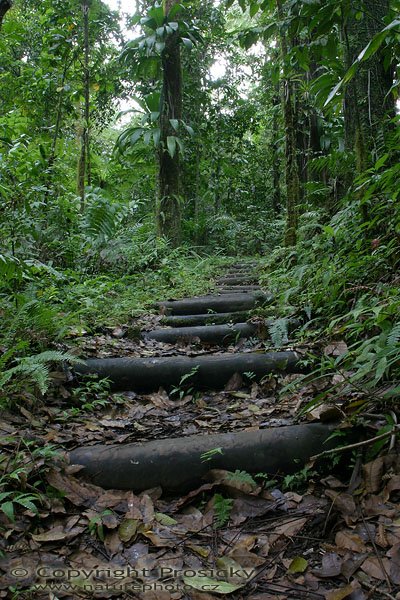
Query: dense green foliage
x,y
263,91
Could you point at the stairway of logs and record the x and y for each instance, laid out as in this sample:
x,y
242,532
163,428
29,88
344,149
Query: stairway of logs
x,y
177,464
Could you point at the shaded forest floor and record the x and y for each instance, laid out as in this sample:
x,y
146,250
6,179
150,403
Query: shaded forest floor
x,y
329,531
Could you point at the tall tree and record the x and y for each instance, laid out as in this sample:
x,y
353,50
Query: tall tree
x,y
368,103
293,187
168,213
84,167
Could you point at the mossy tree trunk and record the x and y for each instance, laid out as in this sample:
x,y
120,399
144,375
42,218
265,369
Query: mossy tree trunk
x,y
293,187
368,103
168,210
276,163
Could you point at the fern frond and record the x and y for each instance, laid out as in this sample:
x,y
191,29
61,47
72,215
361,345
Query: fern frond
x,y
35,368
279,332
394,336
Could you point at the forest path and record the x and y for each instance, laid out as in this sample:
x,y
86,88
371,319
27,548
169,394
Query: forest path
x,y
207,507
233,365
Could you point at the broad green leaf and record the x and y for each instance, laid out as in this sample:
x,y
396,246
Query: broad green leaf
x,y
8,510
333,93
4,495
153,101
156,136
254,8
180,144
136,135
174,124
157,13
188,43
146,137
27,503
381,161
189,129
171,145
175,9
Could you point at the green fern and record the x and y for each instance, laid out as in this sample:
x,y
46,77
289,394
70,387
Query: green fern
x,y
222,507
35,368
242,477
394,336
279,332
102,216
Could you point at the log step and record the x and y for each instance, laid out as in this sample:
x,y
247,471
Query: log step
x,y
249,265
238,280
206,319
206,372
220,304
237,289
178,464
211,334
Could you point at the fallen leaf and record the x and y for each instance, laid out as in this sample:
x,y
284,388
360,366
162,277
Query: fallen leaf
x,y
344,503
165,519
57,533
213,585
128,529
80,494
350,541
346,593
392,486
288,529
336,348
298,565
377,569
331,566
374,505
373,472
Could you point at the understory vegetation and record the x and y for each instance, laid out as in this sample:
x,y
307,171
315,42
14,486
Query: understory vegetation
x,y
142,153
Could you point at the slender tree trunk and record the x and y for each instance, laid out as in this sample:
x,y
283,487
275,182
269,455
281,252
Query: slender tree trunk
x,y
276,171
86,8
293,188
84,166
168,214
217,194
197,194
5,6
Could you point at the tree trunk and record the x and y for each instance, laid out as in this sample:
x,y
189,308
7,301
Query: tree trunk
x,y
293,191
276,170
368,103
84,170
5,6
168,213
